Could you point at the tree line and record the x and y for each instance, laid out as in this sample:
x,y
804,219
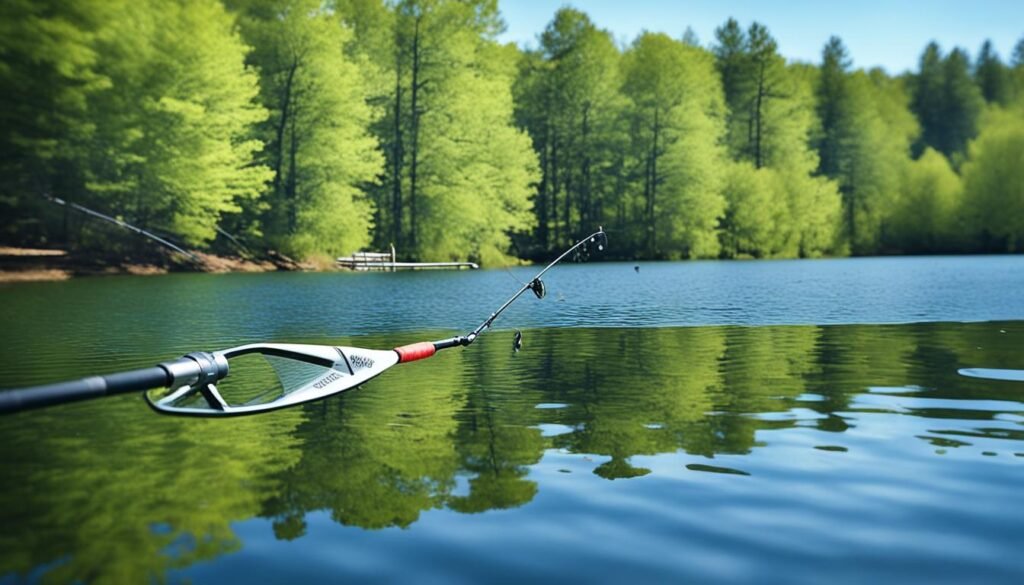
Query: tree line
x,y
319,128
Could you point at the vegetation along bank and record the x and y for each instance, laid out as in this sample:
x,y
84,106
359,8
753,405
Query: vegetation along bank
x,y
316,129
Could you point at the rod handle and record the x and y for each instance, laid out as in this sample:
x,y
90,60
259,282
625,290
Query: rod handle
x,y
195,368
415,351
75,390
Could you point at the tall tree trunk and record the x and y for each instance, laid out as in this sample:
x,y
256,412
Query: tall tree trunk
x,y
542,191
585,201
620,188
651,189
645,216
568,203
414,162
286,101
290,187
396,160
851,209
758,160
554,186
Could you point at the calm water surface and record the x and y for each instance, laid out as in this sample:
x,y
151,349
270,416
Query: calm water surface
x,y
711,422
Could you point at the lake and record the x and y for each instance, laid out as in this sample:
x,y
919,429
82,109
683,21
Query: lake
x,y
728,422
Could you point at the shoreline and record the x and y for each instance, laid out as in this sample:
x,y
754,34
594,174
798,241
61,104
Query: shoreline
x,y
47,265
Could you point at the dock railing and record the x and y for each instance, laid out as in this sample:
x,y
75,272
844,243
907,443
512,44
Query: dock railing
x,y
367,261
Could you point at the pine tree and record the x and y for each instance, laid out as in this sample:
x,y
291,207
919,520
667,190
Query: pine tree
x,y
771,120
859,147
991,75
833,106
962,103
690,37
733,64
766,73
947,101
928,86
1015,74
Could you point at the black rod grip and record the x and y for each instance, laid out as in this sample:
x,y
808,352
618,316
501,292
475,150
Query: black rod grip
x,y
452,342
75,390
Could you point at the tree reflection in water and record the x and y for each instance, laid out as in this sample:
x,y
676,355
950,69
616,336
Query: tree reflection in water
x,y
107,492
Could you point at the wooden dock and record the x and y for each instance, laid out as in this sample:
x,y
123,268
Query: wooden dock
x,y
384,261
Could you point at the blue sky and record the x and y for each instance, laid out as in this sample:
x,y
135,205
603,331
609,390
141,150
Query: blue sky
x,y
890,34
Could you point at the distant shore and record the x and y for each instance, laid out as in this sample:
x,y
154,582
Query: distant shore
x,y
36,265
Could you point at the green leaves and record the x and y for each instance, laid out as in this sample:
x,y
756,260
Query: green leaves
x,y
474,169
318,139
675,116
776,208
946,100
571,104
318,129
197,129
150,112
994,183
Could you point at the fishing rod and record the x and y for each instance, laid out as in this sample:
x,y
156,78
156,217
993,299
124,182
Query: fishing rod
x,y
92,213
188,385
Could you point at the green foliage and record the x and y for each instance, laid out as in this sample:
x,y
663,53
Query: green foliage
x,y
675,113
171,145
925,219
778,213
991,75
994,182
749,224
196,141
47,71
798,212
833,106
147,111
947,101
572,108
477,169
812,215
317,136
874,159
319,128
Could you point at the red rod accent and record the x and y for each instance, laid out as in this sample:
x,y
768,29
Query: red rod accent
x,y
415,351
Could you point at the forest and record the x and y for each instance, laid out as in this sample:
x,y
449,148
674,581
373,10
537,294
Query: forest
x,y
318,128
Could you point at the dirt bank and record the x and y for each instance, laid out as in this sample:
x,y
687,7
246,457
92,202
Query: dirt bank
x,y
30,264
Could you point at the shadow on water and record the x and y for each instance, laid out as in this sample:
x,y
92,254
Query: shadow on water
x,y
107,491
